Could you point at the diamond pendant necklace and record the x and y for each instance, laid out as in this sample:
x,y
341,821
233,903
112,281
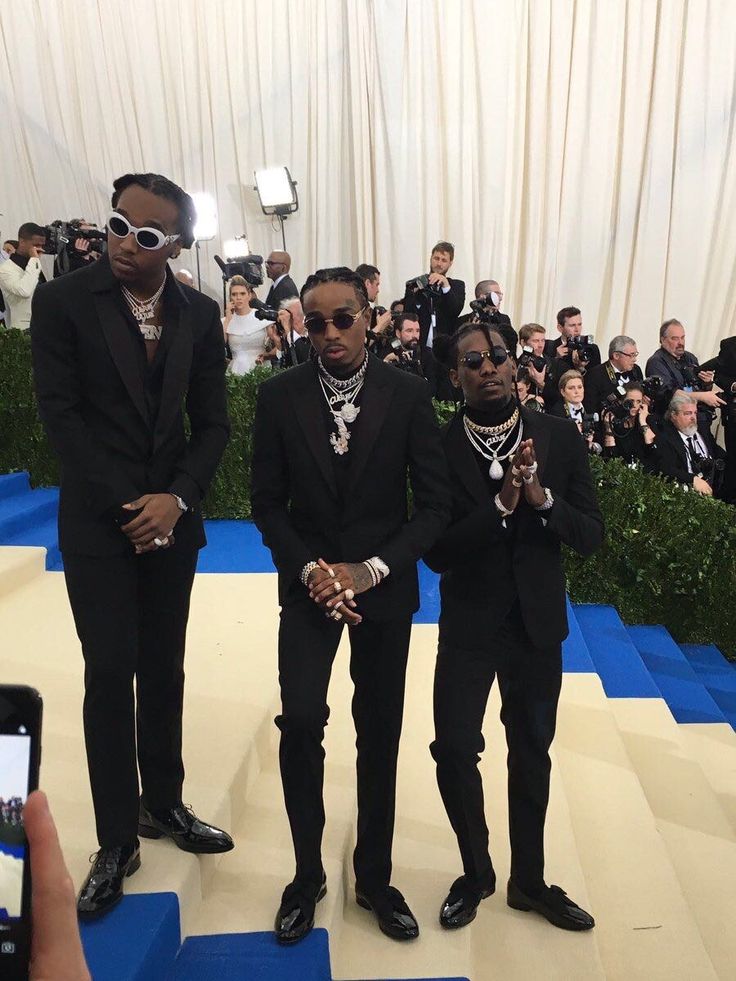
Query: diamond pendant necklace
x,y
343,390
485,446
143,310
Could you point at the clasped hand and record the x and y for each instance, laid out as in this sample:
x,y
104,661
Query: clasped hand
x,y
156,521
522,476
333,586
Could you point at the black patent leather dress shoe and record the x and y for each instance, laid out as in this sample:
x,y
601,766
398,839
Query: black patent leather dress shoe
x,y
103,887
184,828
554,904
395,919
295,917
462,902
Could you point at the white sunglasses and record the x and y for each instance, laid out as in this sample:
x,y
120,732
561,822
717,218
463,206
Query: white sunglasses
x,y
147,238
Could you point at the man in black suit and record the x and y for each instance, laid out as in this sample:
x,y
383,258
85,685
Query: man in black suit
x,y
610,377
488,299
565,352
509,521
291,330
346,552
725,377
687,452
117,347
278,265
438,306
680,371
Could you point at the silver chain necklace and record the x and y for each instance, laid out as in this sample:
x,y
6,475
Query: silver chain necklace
x,y
143,310
343,390
487,449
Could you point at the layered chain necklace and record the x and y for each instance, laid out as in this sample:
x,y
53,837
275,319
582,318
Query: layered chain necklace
x,y
143,310
495,443
341,392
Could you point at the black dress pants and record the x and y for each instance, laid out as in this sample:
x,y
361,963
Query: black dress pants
x,y
529,680
308,641
131,616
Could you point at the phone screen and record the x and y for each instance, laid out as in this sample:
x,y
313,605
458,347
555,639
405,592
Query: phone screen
x,y
20,734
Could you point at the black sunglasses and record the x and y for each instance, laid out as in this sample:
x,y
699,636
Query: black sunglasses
x,y
317,324
474,359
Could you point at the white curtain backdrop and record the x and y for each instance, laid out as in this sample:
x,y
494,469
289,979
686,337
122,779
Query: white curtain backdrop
x,y
580,151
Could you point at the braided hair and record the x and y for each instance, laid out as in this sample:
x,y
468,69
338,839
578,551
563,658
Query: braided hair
x,y
337,274
162,187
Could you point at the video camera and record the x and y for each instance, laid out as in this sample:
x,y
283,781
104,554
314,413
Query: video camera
x,y
250,267
61,235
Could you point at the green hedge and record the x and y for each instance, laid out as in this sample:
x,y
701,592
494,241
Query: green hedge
x,y
669,555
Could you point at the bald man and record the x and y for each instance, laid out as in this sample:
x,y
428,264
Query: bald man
x,y
278,265
184,276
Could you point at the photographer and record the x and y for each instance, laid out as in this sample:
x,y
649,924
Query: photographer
x,y
380,316
725,376
21,274
627,433
572,349
679,370
403,351
570,406
687,452
84,244
540,366
611,377
486,310
525,391
290,334
437,300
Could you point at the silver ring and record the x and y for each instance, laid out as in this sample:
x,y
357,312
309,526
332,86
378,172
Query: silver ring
x,y
349,594
529,479
332,573
159,542
338,605
338,586
532,468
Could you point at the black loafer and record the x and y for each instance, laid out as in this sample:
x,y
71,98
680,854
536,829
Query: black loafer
x,y
395,919
554,904
184,828
295,917
103,887
462,902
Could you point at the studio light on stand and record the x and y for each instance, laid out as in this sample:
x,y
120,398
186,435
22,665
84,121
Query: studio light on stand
x,y
205,227
277,194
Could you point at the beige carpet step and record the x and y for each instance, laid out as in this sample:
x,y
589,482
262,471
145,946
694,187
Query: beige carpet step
x,y
713,745
646,928
19,565
697,833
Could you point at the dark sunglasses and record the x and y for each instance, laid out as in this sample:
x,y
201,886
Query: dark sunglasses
x,y
317,324
474,359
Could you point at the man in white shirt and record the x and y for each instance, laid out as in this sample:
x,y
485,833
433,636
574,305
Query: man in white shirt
x,y
21,274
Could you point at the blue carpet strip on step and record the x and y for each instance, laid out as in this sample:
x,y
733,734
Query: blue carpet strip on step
x,y
717,674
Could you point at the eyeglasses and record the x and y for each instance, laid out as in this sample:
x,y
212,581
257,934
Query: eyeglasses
x,y
317,324
474,359
274,262
147,238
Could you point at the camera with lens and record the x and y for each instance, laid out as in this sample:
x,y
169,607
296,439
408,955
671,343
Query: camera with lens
x,y
652,387
61,235
710,470
266,313
691,380
616,408
589,422
421,284
528,357
581,343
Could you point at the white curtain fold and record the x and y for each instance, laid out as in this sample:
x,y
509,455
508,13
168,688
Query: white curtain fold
x,y
580,151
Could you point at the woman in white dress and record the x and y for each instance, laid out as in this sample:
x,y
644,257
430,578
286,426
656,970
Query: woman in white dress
x,y
244,334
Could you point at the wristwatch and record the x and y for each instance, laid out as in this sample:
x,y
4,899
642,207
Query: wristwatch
x,y
179,503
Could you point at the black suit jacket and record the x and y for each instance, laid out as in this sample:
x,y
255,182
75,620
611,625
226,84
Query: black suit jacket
x,y
485,566
725,364
294,492
447,309
598,385
277,294
672,452
92,401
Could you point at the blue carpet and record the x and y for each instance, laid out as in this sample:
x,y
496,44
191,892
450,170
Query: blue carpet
x,y
717,674
617,661
255,956
575,655
137,941
679,684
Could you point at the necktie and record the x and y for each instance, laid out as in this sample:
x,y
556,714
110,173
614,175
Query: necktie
x,y
694,455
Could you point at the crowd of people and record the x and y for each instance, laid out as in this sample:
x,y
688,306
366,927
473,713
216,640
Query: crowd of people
x,y
121,347
11,811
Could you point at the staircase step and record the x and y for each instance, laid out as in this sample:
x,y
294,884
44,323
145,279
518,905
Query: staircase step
x,y
137,941
20,516
674,676
18,566
42,534
575,654
616,660
717,674
255,956
13,484
645,927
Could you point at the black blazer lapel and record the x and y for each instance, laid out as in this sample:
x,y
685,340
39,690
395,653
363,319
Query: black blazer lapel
x,y
122,348
306,397
461,460
374,405
178,345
